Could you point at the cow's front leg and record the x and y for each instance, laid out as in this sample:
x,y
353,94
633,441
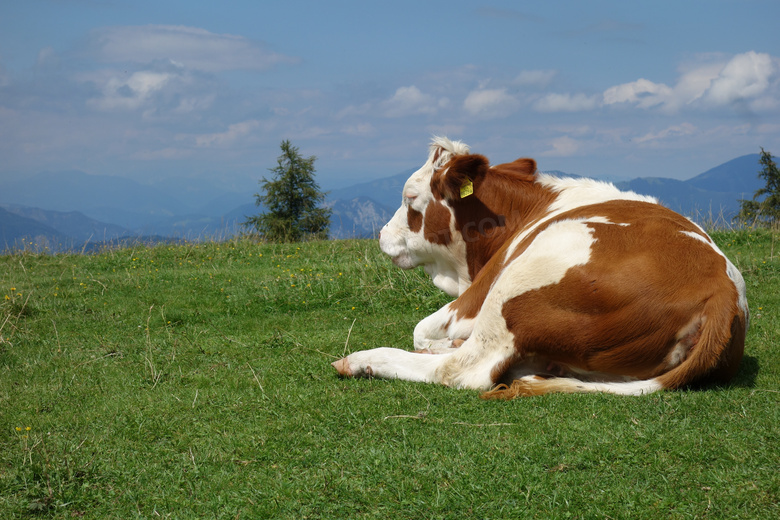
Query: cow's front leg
x,y
470,366
391,363
442,331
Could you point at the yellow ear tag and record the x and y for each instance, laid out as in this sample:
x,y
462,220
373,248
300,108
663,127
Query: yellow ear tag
x,y
467,189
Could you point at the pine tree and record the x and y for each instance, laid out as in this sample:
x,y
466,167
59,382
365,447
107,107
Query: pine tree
x,y
766,211
292,199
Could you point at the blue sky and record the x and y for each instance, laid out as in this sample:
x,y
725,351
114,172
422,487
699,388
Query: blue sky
x,y
611,89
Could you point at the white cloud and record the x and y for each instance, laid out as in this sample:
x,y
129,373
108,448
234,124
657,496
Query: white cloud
x,y
192,47
642,93
164,89
692,85
409,101
745,76
566,103
748,77
234,132
674,131
130,93
486,102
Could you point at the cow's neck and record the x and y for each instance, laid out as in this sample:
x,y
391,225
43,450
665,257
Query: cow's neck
x,y
448,272
487,226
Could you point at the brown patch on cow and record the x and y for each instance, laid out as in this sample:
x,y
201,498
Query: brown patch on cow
x,y
437,224
414,218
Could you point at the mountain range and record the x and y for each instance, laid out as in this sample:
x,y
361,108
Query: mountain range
x,y
72,210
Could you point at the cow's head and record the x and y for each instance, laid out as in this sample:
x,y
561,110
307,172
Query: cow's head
x,y
454,213
422,231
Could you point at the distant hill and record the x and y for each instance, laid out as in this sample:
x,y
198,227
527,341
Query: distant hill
x,y
360,217
122,201
711,197
103,209
75,190
385,191
22,233
38,230
72,224
738,175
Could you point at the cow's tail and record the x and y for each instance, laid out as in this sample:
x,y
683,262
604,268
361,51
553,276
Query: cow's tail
x,y
539,385
714,358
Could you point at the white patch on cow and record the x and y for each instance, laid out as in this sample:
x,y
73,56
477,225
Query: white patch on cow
x,y
739,283
575,193
431,332
605,220
554,251
696,236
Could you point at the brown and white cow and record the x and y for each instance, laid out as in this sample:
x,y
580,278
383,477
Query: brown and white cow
x,y
562,285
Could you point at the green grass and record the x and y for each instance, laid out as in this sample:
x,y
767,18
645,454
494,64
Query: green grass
x,y
194,381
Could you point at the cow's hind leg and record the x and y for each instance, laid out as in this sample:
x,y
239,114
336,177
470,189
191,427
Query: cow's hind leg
x,y
442,331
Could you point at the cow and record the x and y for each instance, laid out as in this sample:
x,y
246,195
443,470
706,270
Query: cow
x,y
562,285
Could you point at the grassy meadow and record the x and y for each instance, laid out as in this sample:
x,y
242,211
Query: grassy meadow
x,y
194,381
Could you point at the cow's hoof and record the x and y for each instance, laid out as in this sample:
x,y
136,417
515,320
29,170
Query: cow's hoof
x,y
342,367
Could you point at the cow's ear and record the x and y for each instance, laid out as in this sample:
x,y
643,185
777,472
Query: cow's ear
x,y
524,169
460,177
